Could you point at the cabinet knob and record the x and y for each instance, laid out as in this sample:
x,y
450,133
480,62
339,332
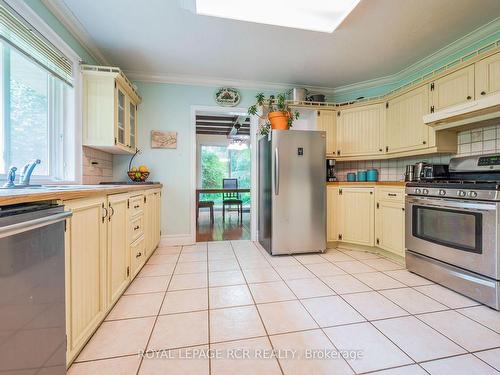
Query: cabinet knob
x,y
483,92
424,142
138,255
136,227
469,97
380,150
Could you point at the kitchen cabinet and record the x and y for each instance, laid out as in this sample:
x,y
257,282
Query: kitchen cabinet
x,y
118,246
152,203
452,89
487,76
360,130
137,229
390,220
110,106
85,257
405,128
355,215
326,121
332,204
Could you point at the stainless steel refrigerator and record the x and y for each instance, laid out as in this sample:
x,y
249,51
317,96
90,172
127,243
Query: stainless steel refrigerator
x,y
292,192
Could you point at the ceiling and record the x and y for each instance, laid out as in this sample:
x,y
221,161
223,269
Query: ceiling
x,y
379,38
221,124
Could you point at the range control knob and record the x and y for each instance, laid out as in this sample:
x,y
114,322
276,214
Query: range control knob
x,y
425,191
461,193
418,191
442,192
472,194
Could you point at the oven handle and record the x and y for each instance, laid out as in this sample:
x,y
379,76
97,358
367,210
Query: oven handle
x,y
25,226
452,204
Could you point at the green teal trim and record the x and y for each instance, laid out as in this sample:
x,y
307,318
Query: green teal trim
x,y
46,15
479,38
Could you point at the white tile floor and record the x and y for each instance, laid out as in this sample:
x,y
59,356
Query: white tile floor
x,y
222,307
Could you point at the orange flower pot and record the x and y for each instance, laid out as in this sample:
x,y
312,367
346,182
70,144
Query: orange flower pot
x,y
279,120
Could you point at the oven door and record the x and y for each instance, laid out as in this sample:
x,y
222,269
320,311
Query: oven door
x,y
458,232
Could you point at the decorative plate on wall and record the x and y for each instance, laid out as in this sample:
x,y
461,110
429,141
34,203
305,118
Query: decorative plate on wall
x,y
227,97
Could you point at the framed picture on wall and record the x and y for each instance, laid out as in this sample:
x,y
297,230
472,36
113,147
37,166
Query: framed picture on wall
x,y
163,139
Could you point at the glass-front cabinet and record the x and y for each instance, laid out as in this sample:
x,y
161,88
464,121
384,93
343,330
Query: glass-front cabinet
x,y
110,108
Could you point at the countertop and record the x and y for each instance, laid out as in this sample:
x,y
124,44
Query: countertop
x,y
368,183
66,192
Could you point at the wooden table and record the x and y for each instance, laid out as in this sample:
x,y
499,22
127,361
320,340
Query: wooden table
x,y
218,191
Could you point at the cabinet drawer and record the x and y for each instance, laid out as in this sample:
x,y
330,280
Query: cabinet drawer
x,y
136,227
391,194
137,255
135,205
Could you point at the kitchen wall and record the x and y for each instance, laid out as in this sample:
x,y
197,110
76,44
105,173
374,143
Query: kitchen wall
x,y
97,166
477,141
167,107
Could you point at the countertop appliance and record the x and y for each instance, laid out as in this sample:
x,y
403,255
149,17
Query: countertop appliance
x,y
410,173
453,228
292,192
435,172
32,290
330,170
418,169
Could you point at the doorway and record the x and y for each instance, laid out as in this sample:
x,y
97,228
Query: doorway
x,y
224,162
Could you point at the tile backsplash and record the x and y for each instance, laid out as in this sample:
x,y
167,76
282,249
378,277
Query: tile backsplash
x,y
470,142
97,166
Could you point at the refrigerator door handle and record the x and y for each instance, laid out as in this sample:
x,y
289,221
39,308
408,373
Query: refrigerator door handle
x,y
276,171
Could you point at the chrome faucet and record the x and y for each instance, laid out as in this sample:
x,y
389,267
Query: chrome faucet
x,y
11,177
24,178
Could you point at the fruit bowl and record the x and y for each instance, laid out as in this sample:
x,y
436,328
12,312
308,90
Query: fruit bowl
x,y
137,176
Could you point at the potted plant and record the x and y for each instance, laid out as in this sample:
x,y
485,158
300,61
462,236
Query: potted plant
x,y
280,116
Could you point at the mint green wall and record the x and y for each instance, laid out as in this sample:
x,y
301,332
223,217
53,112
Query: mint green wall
x,y
59,28
167,107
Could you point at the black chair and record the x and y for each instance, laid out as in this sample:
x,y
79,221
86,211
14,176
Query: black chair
x,y
206,204
231,199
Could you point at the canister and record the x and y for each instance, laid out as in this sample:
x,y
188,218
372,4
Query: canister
x,y
361,176
372,175
351,177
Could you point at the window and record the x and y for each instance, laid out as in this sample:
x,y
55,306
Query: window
x,y
33,106
218,162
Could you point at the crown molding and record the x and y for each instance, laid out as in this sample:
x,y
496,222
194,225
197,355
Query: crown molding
x,y
476,36
217,81
62,12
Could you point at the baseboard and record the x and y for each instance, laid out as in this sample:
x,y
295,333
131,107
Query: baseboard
x,y
177,240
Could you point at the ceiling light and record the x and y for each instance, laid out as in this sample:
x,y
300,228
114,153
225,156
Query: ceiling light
x,y
315,15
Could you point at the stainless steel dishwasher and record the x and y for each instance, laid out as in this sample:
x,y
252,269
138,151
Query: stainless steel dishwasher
x,y
32,312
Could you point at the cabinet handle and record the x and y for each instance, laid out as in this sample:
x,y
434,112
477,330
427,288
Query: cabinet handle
x,y
138,254
105,213
469,97
386,148
483,92
112,212
136,227
392,194
402,208
137,206
380,150
424,142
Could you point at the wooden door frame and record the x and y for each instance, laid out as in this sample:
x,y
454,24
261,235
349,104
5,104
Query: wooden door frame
x,y
254,120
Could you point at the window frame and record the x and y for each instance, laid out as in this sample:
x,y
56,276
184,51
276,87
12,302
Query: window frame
x,y
71,111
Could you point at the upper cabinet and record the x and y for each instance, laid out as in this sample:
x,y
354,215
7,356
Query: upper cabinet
x,y
326,121
452,89
487,74
360,131
109,110
405,129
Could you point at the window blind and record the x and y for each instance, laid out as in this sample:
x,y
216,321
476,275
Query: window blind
x,y
20,34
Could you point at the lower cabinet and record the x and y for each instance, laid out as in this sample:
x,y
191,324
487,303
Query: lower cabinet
x,y
390,219
85,252
118,246
105,247
367,216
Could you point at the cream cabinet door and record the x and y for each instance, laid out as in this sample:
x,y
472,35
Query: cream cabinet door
x,y
332,213
487,74
132,124
452,89
390,227
85,248
326,121
118,246
356,224
121,121
157,219
405,128
149,221
360,130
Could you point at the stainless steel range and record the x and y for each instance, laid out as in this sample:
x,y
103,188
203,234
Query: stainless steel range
x,y
452,228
